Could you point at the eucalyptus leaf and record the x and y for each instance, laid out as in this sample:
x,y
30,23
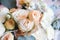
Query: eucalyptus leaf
x,y
9,3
